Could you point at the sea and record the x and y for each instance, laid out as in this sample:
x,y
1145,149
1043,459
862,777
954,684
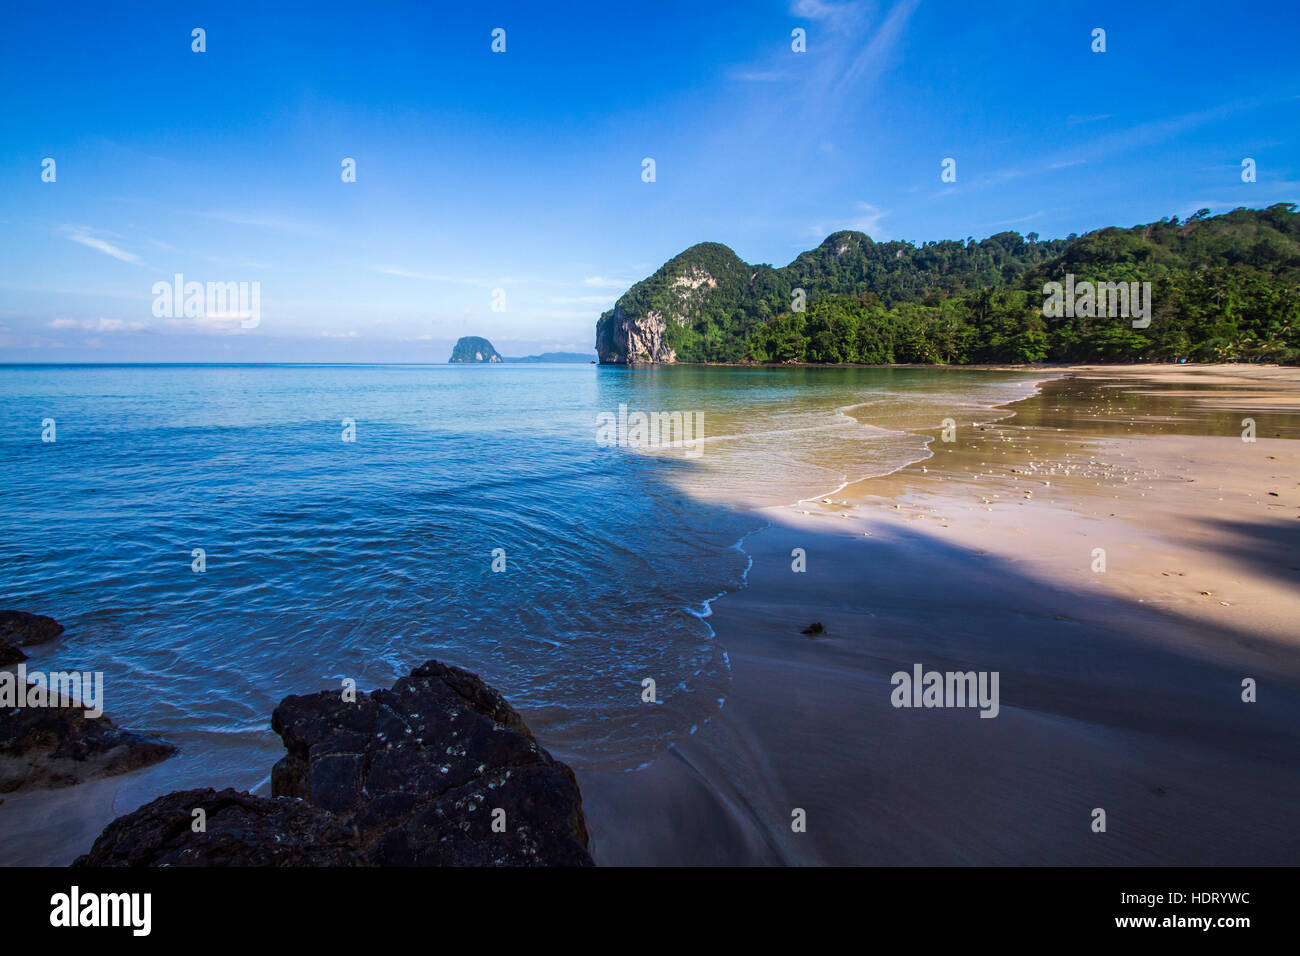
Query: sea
x,y
216,537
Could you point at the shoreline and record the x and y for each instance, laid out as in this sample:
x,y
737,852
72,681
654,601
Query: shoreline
x,y
978,366
975,556
987,415
1120,689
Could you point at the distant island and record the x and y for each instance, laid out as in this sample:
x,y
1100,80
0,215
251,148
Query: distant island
x,y
475,349
1211,289
558,358
472,348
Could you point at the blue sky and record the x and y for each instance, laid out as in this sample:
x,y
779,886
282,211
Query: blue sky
x,y
521,171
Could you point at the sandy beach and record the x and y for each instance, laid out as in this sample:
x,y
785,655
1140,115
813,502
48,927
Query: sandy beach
x,y
1120,689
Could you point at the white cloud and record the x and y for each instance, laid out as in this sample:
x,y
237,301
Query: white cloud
x,y
407,274
758,76
98,325
876,53
828,12
851,45
868,220
436,277
93,242
561,314
1020,219
258,221
219,322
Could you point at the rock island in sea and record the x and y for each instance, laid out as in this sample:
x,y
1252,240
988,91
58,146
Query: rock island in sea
x,y
472,349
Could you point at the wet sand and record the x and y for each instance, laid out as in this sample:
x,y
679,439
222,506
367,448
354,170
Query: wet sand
x,y
1119,689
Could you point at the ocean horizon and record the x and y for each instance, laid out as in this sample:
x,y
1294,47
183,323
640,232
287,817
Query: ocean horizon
x,y
452,438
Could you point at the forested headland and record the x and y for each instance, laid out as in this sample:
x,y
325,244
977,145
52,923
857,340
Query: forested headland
x,y
1222,289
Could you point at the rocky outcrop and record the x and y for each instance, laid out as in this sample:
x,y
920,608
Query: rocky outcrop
x,y
233,829
46,739
59,746
668,316
436,771
622,339
473,348
19,628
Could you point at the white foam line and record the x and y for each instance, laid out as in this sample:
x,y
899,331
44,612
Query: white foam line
x,y
741,436
1035,388
705,610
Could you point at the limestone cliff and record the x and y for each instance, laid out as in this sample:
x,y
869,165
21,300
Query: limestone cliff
x,y
677,309
704,304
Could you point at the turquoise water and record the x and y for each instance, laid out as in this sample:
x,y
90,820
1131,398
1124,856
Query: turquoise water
x,y
329,559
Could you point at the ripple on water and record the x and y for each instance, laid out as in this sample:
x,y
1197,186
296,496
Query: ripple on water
x,y
327,559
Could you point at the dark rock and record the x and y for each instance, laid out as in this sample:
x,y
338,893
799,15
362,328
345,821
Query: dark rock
x,y
240,830
20,627
422,769
407,776
51,747
813,629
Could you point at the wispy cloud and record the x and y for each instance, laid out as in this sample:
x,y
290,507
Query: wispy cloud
x,y
602,282
838,14
479,281
83,236
562,314
1005,175
583,299
1141,136
237,262
878,52
215,322
1020,219
865,218
758,76
849,46
262,221
868,220
98,325
427,277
